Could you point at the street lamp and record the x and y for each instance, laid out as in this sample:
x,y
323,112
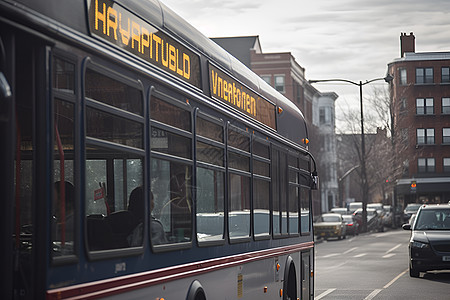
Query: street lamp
x,y
365,187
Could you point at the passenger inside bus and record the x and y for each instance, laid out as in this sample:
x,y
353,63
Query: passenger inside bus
x,y
136,206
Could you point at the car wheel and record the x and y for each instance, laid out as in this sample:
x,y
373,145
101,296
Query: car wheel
x,y
413,272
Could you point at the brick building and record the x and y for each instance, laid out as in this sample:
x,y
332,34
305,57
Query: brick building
x,y
420,94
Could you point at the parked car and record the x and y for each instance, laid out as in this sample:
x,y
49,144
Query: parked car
x,y
340,210
388,216
380,210
330,225
429,245
410,209
352,227
373,220
353,206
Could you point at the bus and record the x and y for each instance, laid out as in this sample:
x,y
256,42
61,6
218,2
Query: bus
x,y
139,160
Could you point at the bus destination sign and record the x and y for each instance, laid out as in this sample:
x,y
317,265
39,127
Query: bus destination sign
x,y
230,91
115,24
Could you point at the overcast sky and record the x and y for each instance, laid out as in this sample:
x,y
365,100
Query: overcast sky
x,y
349,39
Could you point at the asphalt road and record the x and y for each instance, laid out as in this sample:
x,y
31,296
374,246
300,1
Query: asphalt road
x,y
373,266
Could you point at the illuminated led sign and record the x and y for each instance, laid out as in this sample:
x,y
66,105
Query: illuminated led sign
x,y
115,24
233,93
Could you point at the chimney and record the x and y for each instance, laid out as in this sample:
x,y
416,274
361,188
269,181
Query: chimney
x,y
407,43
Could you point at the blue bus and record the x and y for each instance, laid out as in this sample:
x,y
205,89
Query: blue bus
x,y
142,161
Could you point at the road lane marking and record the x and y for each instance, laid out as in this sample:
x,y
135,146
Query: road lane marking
x,y
373,294
393,248
350,250
360,255
324,294
388,255
330,255
395,279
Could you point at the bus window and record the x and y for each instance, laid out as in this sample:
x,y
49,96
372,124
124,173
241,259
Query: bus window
x,y
261,188
171,171
283,192
114,162
113,92
294,194
171,188
210,190
304,210
63,79
239,183
63,208
276,230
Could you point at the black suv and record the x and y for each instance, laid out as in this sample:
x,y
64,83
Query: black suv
x,y
429,246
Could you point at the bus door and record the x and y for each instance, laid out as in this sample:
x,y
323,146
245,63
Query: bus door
x,y
22,154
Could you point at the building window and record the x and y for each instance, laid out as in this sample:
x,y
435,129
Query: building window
x,y
446,164
425,136
279,83
267,78
404,135
424,75
405,167
446,105
403,104
325,115
424,106
445,135
403,79
445,75
426,165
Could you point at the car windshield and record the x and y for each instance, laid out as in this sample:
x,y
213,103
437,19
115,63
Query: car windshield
x,y
412,208
433,219
331,219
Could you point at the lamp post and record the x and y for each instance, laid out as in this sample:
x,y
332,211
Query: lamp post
x,y
365,186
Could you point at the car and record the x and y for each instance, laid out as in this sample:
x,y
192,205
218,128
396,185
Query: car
x,y
340,210
353,206
373,220
410,209
330,225
429,244
388,216
352,227
380,210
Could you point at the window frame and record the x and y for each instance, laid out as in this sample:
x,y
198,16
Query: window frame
x,y
425,108
238,172
278,87
402,78
446,137
426,136
71,97
445,109
166,97
446,164
424,78
110,71
261,177
427,166
209,166
445,78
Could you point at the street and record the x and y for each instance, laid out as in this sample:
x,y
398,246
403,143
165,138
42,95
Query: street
x,y
373,266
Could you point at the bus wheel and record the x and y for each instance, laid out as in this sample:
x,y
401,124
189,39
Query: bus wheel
x,y
290,280
196,291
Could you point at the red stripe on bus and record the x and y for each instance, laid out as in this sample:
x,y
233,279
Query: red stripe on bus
x,y
118,285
